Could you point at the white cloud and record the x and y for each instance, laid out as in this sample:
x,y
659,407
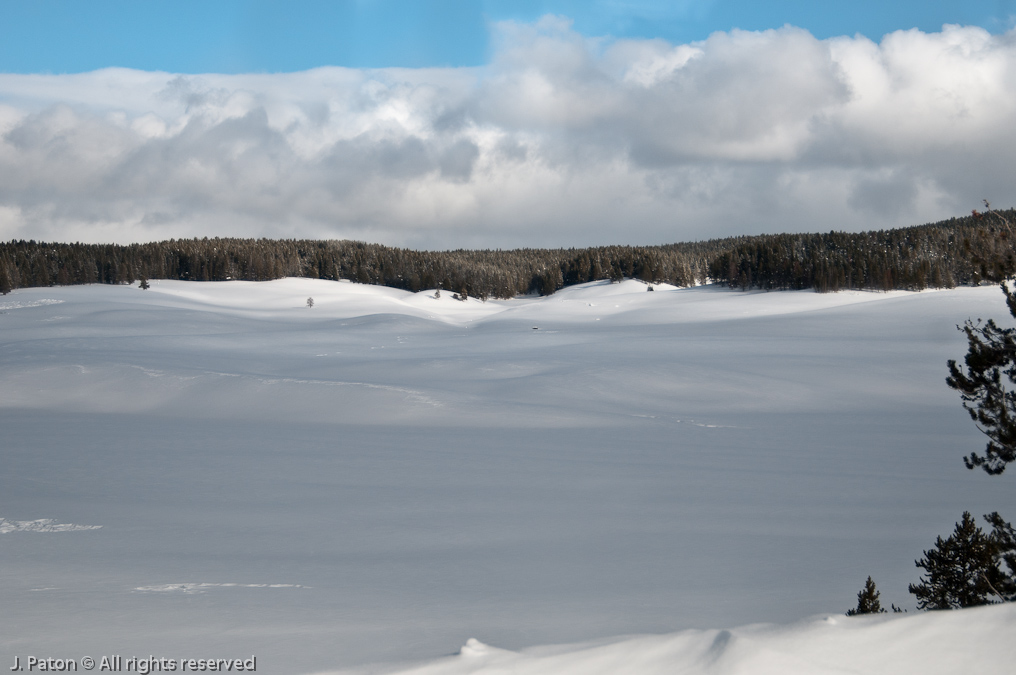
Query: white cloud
x,y
560,140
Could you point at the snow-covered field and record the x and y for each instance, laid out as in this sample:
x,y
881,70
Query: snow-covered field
x,y
216,470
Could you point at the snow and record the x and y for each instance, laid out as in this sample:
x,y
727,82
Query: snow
x,y
191,588
41,525
385,475
970,641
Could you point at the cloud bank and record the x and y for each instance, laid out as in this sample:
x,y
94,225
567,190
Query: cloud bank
x,y
561,140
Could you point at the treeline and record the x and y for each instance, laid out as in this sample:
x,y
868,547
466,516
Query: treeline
x,y
483,274
980,247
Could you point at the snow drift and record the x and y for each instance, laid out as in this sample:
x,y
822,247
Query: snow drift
x,y
967,641
384,475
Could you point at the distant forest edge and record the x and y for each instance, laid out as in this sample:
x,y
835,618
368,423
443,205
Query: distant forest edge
x,y
968,250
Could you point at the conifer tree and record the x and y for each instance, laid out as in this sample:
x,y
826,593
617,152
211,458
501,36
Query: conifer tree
x,y
988,388
1003,537
5,280
961,571
867,600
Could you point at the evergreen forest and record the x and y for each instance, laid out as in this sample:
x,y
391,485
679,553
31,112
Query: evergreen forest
x,y
977,248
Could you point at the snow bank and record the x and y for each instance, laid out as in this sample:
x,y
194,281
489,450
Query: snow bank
x,y
978,640
286,300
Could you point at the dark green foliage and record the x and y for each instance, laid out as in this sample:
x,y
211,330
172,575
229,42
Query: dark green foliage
x,y
144,284
988,388
1003,538
966,250
5,280
867,600
961,571
478,274
958,251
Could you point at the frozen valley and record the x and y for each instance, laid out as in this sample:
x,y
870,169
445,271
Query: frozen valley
x,y
217,470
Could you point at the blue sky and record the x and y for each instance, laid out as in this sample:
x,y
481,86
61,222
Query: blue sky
x,y
235,36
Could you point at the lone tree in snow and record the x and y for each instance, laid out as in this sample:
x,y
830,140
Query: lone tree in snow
x,y
144,284
310,302
987,385
867,600
963,570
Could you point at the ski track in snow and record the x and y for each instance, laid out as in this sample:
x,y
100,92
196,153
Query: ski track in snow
x,y
411,394
42,525
196,588
25,304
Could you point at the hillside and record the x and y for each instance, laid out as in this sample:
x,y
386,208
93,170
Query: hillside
x,y
959,251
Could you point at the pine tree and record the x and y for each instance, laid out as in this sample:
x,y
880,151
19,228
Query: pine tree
x,y
1003,537
867,600
987,388
5,281
961,571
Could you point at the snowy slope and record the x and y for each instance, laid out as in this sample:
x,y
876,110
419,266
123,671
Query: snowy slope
x,y
970,641
217,470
